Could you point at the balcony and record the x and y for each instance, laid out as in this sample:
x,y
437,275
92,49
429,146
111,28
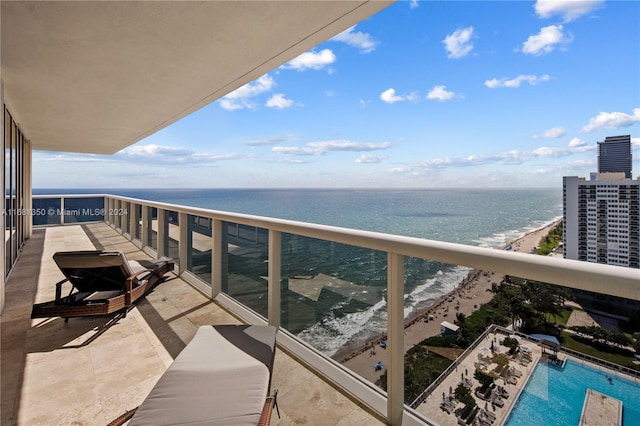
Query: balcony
x,y
92,370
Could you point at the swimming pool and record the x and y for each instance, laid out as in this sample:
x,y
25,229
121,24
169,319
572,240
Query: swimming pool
x,y
555,396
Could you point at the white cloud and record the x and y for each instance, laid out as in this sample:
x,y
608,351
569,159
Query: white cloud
x,y
154,151
513,157
389,96
169,155
323,147
612,120
413,4
279,101
293,150
517,81
357,39
568,9
272,140
241,98
553,133
545,41
346,145
576,142
311,60
370,159
440,93
62,157
458,44
541,172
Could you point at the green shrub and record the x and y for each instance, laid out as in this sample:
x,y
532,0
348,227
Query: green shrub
x,y
512,344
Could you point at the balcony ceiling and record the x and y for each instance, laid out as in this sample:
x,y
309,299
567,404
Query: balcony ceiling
x,y
96,77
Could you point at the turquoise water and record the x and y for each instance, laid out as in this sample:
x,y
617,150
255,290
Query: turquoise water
x,y
555,396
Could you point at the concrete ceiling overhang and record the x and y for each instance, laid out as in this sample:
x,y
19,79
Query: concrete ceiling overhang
x,y
96,77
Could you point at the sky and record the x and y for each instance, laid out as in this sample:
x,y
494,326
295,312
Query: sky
x,y
424,94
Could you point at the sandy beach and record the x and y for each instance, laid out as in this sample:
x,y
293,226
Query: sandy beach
x,y
468,297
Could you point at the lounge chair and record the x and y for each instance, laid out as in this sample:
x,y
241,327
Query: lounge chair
x,y
222,377
104,282
489,415
515,372
483,419
498,402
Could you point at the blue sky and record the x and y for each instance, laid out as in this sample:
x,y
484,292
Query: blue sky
x,y
423,94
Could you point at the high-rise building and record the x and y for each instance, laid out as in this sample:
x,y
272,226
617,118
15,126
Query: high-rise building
x,y
601,219
601,214
614,155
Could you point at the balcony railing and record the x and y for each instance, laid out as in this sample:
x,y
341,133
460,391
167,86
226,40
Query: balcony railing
x,y
259,268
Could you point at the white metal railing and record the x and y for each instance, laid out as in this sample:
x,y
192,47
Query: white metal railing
x,y
122,214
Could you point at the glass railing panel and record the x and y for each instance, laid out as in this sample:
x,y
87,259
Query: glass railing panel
x,y
78,210
109,203
137,211
199,247
47,211
245,265
152,228
435,294
172,235
115,213
333,295
124,211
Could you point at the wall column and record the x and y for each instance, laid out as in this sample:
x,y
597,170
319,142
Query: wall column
x,y
2,217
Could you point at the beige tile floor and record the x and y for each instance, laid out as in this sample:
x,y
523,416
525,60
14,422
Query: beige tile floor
x,y
90,370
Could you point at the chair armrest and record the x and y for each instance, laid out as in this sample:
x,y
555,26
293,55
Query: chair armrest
x,y
267,409
123,418
128,286
134,276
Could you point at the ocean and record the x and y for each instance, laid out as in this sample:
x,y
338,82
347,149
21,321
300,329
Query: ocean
x,y
479,217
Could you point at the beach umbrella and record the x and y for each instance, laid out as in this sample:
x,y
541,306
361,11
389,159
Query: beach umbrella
x,y
484,353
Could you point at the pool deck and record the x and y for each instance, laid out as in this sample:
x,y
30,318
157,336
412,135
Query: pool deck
x,y
480,358
601,410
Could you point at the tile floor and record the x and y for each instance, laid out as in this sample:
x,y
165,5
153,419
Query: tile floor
x,y
90,370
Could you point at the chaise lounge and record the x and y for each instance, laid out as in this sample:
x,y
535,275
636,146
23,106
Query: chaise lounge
x,y
222,377
104,282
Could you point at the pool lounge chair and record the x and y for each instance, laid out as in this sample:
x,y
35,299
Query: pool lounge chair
x,y
222,377
489,415
102,282
515,372
498,402
484,419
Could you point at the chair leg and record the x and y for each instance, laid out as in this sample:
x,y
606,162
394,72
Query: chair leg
x,y
275,401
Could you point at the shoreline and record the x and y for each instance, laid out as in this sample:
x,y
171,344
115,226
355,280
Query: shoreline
x,y
471,293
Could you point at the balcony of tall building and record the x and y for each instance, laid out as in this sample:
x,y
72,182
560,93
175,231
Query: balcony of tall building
x,y
91,370
97,77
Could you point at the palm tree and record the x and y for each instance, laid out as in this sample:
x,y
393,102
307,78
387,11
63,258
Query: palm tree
x,y
517,309
497,290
